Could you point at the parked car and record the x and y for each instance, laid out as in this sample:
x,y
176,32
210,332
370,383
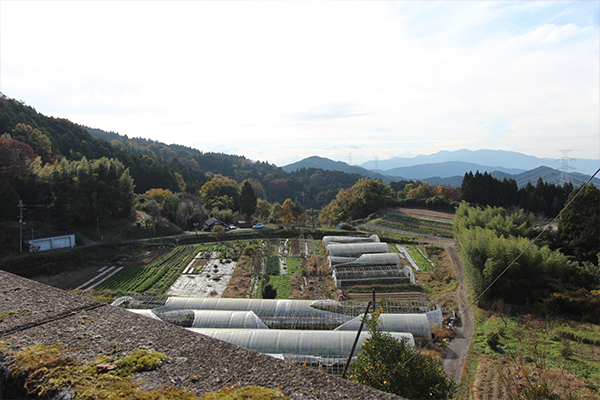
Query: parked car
x,y
258,226
231,227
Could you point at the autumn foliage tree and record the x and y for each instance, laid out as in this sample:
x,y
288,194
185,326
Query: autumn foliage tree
x,y
359,201
16,159
220,193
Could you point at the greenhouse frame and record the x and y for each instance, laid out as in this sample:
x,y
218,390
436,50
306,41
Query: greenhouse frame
x,y
369,259
315,332
399,316
356,249
370,269
346,275
325,349
327,240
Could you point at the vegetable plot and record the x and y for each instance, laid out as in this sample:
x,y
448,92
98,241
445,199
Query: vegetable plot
x,y
156,278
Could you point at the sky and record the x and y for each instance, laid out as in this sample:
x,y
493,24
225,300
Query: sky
x,y
281,81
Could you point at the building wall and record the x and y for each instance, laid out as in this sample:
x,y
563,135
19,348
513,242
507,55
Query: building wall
x,y
53,243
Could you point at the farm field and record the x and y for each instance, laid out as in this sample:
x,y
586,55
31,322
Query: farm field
x,y
153,279
206,276
71,280
550,356
413,224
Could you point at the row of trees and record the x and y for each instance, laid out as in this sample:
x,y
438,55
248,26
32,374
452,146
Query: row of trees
x,y
486,190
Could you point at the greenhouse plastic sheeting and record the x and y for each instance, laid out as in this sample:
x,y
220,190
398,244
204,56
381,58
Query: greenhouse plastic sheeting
x,y
259,306
313,343
416,324
227,319
435,317
350,249
371,259
327,240
145,313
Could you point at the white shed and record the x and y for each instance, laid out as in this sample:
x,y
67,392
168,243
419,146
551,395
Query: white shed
x,y
51,243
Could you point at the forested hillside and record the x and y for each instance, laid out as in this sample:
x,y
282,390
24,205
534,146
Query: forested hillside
x,y
312,187
69,176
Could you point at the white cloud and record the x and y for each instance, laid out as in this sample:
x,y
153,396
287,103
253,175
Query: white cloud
x,y
278,81
550,34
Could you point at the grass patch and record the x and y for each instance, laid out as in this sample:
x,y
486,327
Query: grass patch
x,y
283,286
543,342
419,259
294,265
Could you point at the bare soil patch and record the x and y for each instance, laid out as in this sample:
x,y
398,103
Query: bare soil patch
x,y
70,279
422,213
316,283
210,281
240,279
311,287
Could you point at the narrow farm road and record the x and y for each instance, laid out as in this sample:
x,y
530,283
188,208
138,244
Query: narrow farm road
x,y
457,350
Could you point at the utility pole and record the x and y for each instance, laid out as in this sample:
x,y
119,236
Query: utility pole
x,y
21,224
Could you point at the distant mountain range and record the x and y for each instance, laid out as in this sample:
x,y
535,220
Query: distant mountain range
x,y
491,159
330,165
449,167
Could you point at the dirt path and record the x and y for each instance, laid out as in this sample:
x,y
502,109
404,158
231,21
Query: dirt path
x,y
457,350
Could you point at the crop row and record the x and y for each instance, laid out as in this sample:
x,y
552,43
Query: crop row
x,y
214,248
272,265
151,278
419,259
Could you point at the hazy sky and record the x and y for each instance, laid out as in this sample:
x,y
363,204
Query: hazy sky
x,y
281,81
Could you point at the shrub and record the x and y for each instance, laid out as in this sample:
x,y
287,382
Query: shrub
x,y
397,367
347,227
269,292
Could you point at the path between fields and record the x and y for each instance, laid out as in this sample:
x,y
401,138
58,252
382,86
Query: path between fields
x,y
456,352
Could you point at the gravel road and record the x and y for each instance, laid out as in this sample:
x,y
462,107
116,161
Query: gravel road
x,y
457,350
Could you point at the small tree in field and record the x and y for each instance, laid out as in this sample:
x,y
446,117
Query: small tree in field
x,y
394,366
218,231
